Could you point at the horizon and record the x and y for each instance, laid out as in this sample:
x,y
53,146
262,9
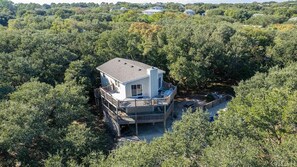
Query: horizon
x,y
146,1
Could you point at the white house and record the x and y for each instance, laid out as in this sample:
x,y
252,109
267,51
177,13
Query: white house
x,y
132,92
189,12
131,79
258,15
153,10
293,19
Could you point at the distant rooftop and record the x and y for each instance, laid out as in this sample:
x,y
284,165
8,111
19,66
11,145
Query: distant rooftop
x,y
258,14
293,19
125,70
153,10
189,12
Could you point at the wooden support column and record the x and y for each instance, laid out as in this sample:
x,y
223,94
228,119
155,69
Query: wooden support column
x,y
101,103
136,124
172,111
118,125
119,130
165,119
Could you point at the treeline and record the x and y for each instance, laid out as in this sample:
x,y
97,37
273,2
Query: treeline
x,y
48,60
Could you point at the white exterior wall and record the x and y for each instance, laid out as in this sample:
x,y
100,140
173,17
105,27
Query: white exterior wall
x,y
145,87
107,80
125,90
122,90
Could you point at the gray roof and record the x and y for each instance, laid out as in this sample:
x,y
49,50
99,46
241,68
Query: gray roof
x,y
125,70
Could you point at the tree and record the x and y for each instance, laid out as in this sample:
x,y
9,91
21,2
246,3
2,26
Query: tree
x,y
231,151
129,16
264,111
183,146
40,119
264,20
238,14
214,12
80,73
284,50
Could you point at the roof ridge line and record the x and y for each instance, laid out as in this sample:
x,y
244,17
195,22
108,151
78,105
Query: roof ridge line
x,y
134,64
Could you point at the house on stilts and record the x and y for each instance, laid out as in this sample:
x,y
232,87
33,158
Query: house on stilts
x,y
133,93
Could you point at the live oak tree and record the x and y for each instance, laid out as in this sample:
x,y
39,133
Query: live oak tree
x,y
39,119
48,60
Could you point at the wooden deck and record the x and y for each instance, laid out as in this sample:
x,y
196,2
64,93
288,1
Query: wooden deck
x,y
106,93
122,118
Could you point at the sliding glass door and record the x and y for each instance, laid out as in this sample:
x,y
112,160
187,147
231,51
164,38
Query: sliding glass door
x,y
136,90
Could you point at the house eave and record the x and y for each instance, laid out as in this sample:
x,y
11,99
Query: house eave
x,y
126,82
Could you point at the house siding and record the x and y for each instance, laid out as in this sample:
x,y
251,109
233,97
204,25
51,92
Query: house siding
x,y
125,90
107,80
145,87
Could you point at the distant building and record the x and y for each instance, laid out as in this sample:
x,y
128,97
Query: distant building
x,y
257,14
118,8
189,12
181,7
123,9
293,19
153,10
157,8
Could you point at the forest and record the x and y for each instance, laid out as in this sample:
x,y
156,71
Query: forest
x,y
48,59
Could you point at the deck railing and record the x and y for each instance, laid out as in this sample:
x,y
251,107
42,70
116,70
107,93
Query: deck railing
x,y
106,93
217,102
139,118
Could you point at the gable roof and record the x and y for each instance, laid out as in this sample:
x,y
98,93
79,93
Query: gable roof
x,y
125,70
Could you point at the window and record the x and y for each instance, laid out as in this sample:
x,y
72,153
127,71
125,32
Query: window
x,y
117,83
136,90
160,83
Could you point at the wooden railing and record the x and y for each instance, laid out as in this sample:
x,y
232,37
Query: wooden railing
x,y
105,92
169,110
217,102
110,112
139,118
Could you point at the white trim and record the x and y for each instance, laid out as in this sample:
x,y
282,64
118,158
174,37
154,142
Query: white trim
x,y
111,77
124,83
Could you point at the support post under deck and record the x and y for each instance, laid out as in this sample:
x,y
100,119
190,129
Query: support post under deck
x,y
136,124
118,125
172,112
165,119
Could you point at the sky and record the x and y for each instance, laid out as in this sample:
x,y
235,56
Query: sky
x,y
142,1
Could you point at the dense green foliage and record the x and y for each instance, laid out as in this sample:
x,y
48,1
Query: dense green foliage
x,y
48,60
257,129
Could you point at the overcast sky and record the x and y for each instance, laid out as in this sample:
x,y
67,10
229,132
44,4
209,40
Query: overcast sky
x,y
142,1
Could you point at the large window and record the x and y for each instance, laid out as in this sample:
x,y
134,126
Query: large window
x,y
136,90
